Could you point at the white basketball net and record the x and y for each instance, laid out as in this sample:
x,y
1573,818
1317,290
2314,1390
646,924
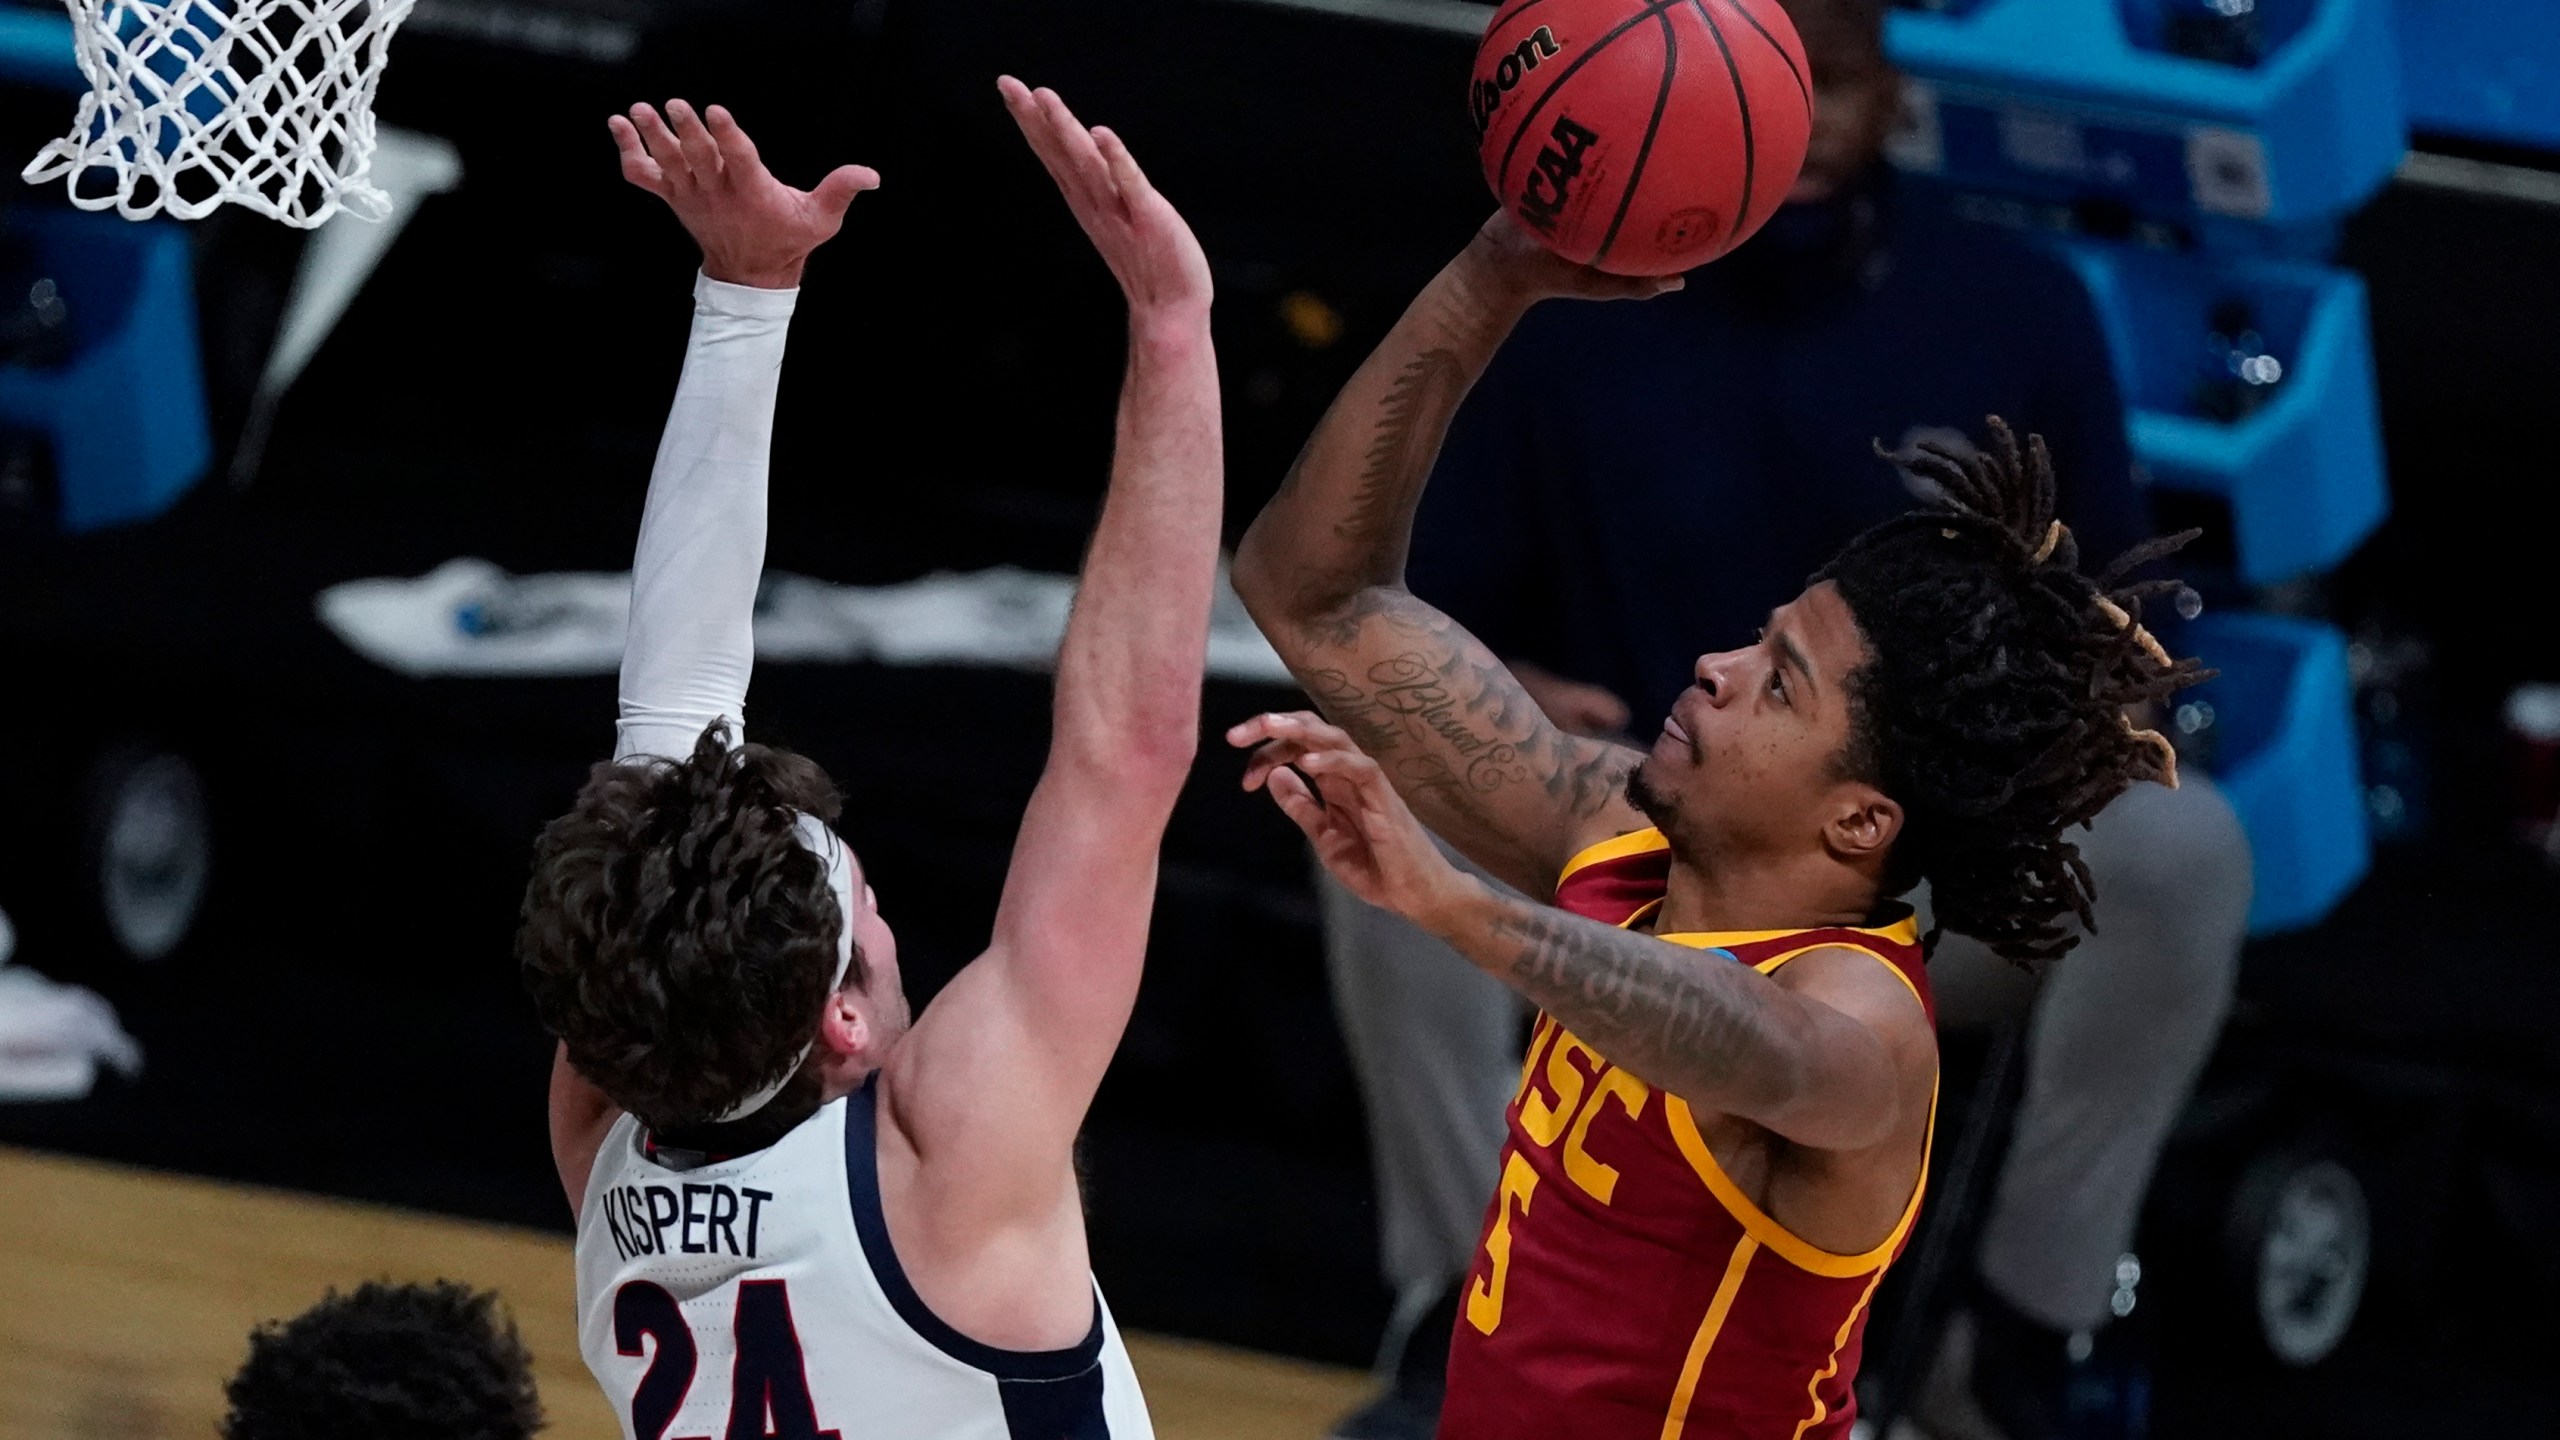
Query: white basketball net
x,y
194,104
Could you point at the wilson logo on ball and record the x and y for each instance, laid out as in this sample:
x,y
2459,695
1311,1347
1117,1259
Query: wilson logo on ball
x,y
1544,190
1506,77
1690,123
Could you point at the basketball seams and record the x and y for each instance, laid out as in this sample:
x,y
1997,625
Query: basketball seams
x,y
1644,151
1686,129
1738,8
1742,106
1501,175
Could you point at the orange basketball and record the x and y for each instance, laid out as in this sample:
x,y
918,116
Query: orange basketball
x,y
1645,137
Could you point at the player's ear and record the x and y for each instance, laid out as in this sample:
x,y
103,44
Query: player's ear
x,y
1863,824
842,1027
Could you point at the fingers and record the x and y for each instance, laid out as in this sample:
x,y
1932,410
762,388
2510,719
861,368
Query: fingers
x,y
701,153
1272,756
737,152
662,146
1356,788
1032,119
1126,177
1596,284
1018,104
836,192
1075,146
1350,767
1290,724
637,167
1298,802
1284,740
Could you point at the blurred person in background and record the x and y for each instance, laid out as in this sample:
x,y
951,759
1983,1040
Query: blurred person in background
x,y
1628,480
439,1361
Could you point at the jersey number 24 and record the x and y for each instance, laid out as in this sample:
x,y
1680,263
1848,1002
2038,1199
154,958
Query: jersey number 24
x,y
768,1387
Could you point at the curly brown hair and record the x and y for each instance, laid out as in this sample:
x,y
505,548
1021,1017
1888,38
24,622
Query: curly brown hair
x,y
1992,706
677,937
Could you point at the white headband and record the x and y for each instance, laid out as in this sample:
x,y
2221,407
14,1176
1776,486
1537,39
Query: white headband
x,y
822,842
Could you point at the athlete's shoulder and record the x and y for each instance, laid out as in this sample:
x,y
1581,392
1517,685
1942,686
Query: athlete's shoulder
x,y
1615,880
1887,951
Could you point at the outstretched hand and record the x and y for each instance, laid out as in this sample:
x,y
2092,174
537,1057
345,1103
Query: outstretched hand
x,y
753,229
1150,250
1361,828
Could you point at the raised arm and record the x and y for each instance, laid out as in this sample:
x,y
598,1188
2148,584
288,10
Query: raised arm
x,y
1322,570
691,643
993,1083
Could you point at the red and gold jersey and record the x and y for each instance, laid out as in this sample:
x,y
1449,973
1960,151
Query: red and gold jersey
x,y
1627,1289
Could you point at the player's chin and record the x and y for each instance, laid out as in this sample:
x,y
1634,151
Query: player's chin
x,y
1650,784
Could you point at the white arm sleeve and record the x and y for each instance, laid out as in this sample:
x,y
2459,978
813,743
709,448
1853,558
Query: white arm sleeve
x,y
691,644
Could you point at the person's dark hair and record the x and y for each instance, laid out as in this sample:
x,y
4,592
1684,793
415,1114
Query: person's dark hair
x,y
677,937
1991,706
389,1362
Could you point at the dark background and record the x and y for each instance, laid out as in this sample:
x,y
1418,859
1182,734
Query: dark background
x,y
347,1019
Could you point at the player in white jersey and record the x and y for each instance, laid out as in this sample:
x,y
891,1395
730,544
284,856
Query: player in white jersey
x,y
798,1215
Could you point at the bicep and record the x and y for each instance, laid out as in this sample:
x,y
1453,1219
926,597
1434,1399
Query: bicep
x,y
1465,746
1000,1069
1866,1051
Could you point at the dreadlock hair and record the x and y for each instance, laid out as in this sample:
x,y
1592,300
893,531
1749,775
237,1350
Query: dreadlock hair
x,y
676,935
389,1362
1992,704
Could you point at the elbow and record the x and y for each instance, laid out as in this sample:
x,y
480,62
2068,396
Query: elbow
x,y
1145,762
1287,594
1278,583
1255,573
1163,754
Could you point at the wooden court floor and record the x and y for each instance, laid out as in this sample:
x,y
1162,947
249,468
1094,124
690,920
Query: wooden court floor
x,y
132,1294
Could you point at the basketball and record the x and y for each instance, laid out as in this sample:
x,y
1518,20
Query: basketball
x,y
1644,137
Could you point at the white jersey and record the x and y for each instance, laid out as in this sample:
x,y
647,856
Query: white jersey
x,y
760,1296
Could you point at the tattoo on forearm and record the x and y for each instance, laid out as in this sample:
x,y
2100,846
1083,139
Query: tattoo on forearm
x,y
1654,1007
1398,462
1410,685
1589,778
1452,721
1348,706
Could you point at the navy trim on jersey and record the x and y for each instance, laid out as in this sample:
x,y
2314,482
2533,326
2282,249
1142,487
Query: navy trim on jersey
x,y
1069,1409
862,1180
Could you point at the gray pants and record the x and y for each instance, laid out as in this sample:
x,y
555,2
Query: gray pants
x,y
2116,1034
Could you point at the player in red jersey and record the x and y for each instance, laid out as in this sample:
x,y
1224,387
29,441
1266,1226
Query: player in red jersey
x,y
1725,1114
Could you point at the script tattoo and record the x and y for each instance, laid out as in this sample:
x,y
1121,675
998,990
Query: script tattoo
x,y
1411,686
1438,688
1348,706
